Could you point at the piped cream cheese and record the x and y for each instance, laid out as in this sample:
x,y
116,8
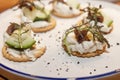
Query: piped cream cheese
x,y
39,24
85,46
65,9
14,52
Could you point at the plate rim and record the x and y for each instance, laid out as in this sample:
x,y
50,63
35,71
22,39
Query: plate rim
x,y
16,72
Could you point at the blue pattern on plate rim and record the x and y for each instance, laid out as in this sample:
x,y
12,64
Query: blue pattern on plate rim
x,y
51,78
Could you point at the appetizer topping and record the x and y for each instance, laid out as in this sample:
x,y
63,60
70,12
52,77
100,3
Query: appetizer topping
x,y
19,36
96,16
81,35
69,7
12,28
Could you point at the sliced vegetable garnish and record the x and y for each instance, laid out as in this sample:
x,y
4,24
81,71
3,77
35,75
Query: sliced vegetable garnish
x,y
34,11
20,38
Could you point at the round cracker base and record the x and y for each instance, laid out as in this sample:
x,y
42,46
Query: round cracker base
x,y
87,55
46,28
23,57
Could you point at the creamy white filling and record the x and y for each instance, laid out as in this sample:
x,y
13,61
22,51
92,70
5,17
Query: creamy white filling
x,y
85,46
30,53
49,7
105,28
36,24
45,5
39,24
5,36
17,53
13,52
65,9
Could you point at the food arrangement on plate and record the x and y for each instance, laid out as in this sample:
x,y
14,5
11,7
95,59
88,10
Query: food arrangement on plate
x,y
83,46
84,39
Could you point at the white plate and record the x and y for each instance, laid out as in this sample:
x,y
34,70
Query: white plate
x,y
55,63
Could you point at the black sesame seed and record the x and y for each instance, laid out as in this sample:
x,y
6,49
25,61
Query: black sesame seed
x,y
60,68
70,8
58,31
59,37
90,73
67,70
66,62
58,74
34,34
94,69
106,66
48,63
117,43
57,69
78,62
38,42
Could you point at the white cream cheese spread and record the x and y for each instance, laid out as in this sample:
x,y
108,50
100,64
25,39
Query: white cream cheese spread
x,y
65,9
85,46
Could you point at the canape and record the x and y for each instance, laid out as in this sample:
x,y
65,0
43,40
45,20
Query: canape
x,y
85,41
20,45
38,15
